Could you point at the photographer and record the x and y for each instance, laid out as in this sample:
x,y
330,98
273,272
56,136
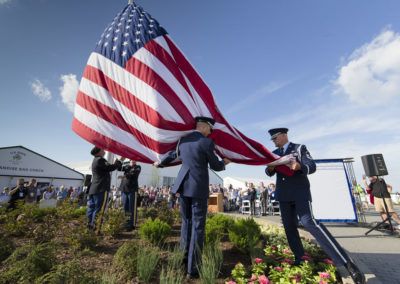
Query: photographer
x,y
17,193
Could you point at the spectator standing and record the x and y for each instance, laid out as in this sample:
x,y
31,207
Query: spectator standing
x,y
252,193
31,192
17,193
4,197
49,193
381,190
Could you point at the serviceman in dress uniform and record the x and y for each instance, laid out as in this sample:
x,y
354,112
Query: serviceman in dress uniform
x,y
98,193
129,188
196,152
294,196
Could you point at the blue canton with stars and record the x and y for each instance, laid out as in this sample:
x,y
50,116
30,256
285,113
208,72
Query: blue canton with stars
x,y
130,30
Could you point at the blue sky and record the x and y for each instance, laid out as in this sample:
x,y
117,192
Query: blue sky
x,y
327,70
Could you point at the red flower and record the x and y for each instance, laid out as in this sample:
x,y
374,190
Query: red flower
x,y
306,258
257,260
328,261
263,279
278,268
288,261
287,251
294,277
324,275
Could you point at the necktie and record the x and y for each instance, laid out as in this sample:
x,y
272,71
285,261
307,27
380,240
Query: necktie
x,y
281,150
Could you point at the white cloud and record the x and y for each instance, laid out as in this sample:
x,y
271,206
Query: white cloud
x,y
372,73
40,91
69,90
4,1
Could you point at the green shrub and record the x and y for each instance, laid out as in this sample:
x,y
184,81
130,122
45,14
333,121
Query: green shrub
x,y
177,215
45,231
125,259
79,212
175,258
114,222
70,272
212,233
211,264
6,248
29,263
222,221
147,262
164,213
150,212
244,234
80,237
171,276
155,231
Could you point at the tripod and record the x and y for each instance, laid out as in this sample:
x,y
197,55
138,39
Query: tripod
x,y
388,218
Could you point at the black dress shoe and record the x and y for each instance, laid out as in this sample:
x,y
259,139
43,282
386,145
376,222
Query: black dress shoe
x,y
192,276
355,273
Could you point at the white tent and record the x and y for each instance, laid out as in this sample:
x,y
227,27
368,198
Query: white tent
x,y
19,162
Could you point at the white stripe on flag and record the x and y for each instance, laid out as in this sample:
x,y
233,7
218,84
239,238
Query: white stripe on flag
x,y
110,130
135,86
158,134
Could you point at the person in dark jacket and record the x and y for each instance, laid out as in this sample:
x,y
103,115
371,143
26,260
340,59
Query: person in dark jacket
x,y
129,188
99,188
196,152
294,196
252,193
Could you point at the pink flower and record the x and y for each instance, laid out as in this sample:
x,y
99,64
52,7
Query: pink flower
x,y
328,261
231,282
294,277
324,275
272,255
278,268
322,282
286,260
257,260
287,251
250,283
239,264
273,248
306,258
253,277
263,279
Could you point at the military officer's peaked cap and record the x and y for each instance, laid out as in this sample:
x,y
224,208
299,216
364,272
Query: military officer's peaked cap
x,y
210,121
95,150
274,132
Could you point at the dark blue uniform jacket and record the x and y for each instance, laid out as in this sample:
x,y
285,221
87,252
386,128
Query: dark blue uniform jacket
x,y
296,187
196,152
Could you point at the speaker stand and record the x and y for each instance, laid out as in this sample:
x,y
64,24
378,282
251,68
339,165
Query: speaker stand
x,y
388,218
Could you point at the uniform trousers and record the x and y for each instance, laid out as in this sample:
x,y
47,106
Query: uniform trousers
x,y
129,201
97,205
194,214
289,212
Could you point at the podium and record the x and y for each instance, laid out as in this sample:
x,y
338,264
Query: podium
x,y
215,202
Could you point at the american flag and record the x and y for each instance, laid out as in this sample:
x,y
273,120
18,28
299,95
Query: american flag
x,y
139,94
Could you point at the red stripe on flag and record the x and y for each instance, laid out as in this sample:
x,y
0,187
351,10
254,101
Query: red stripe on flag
x,y
164,57
132,102
194,78
107,143
114,117
151,78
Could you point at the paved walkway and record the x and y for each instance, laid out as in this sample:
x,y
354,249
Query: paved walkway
x,y
377,254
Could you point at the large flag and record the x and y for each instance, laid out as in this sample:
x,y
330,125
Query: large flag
x,y
139,94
